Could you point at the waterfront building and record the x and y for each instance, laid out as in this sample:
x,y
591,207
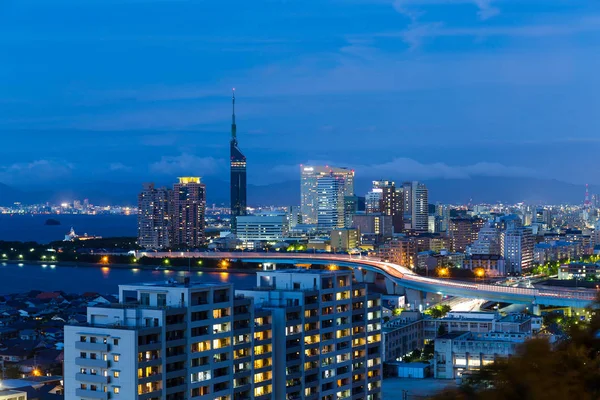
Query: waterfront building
x,y
463,232
415,206
188,205
309,191
238,173
517,248
154,221
170,341
252,229
326,334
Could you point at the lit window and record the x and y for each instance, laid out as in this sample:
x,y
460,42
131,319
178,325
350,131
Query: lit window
x,y
116,374
116,390
116,358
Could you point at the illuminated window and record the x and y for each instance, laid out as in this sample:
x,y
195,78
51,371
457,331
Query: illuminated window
x,y
116,358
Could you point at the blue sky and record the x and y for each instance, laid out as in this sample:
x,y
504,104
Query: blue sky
x,y
133,90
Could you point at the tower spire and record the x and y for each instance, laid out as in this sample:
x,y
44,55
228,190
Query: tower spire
x,y
233,126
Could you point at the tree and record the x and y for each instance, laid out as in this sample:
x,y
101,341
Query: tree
x,y
396,312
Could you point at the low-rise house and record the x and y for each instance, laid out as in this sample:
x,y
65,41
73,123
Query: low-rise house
x,y
458,352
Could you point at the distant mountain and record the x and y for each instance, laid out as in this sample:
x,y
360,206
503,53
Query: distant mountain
x,y
460,191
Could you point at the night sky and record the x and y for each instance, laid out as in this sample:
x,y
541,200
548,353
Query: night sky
x,y
135,90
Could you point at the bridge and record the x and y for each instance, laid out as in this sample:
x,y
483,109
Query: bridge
x,y
400,280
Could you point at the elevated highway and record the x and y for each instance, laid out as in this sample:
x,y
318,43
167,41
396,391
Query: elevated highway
x,y
406,278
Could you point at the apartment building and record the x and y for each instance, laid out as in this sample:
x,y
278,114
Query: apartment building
x,y
170,340
326,334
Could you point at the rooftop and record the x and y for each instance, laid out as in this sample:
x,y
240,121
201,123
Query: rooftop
x,y
176,284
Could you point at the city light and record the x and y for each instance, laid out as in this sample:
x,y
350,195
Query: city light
x,y
104,260
224,264
479,272
166,261
443,272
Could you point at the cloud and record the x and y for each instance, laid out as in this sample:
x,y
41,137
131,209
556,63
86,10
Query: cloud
x,y
410,169
486,9
188,164
117,166
35,171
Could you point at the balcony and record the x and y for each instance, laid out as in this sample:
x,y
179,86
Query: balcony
x,y
92,394
92,378
92,363
88,346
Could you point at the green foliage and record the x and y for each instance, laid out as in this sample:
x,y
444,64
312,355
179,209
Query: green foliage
x,y
438,311
397,311
442,330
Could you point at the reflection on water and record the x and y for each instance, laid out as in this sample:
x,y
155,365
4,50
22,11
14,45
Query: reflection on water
x,y
23,277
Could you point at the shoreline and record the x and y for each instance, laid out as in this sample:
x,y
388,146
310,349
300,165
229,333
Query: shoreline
x,y
74,264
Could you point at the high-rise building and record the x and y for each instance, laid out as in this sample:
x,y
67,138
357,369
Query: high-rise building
x,y
517,249
330,203
416,206
154,222
188,205
171,340
389,202
326,334
309,181
350,209
238,174
463,232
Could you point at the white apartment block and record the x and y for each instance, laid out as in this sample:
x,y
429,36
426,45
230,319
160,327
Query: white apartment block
x,y
326,334
301,334
170,341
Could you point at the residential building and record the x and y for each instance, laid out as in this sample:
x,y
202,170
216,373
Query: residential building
x,y
463,232
309,191
170,341
238,173
350,209
326,334
402,335
187,209
386,199
488,241
415,206
401,251
154,221
517,248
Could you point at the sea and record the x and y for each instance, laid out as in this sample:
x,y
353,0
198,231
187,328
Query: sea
x,y
20,278
33,228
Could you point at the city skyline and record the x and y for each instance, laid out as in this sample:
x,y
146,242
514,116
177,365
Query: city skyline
x,y
506,86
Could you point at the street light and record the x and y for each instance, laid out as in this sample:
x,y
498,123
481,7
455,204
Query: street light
x,y
479,273
443,272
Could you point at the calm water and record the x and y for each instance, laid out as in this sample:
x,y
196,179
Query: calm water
x,y
33,228
15,278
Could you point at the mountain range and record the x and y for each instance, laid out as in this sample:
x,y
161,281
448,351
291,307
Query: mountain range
x,y
453,191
